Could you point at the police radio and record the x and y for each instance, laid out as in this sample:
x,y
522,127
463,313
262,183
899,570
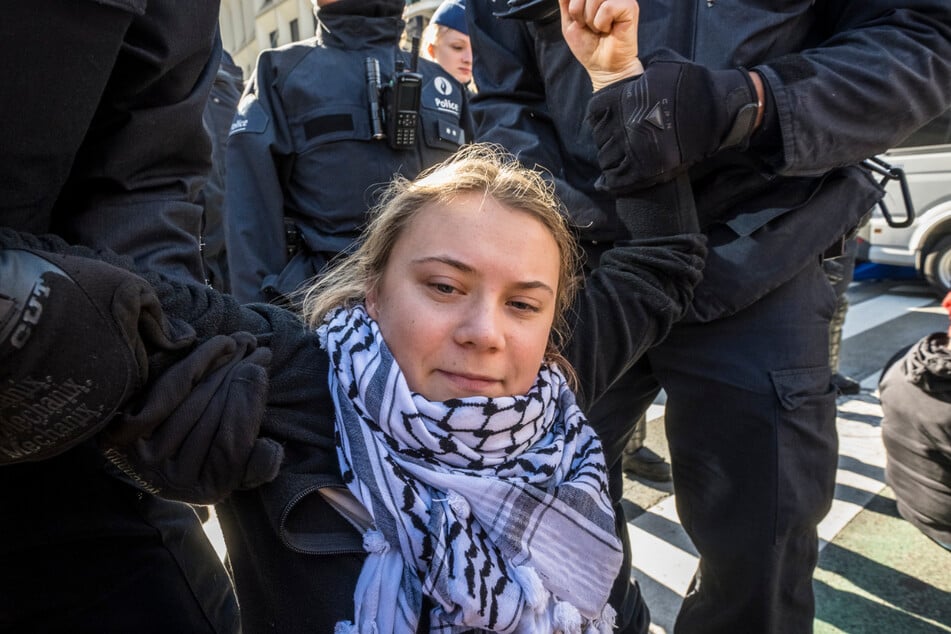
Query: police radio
x,y
402,98
394,108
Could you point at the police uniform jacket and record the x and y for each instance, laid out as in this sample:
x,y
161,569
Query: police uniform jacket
x,y
845,80
303,168
108,153
218,114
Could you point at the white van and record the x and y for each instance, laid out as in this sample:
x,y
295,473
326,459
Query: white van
x,y
925,157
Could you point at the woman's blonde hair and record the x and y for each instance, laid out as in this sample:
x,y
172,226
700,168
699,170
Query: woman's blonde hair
x,y
478,167
430,37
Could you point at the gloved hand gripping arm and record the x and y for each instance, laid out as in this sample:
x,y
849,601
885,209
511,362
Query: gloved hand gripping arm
x,y
659,117
671,117
602,35
76,335
179,409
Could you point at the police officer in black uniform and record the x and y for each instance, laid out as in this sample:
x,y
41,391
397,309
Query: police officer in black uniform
x,y
766,109
323,125
103,146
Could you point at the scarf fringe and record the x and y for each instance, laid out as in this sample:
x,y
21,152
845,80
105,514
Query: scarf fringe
x,y
566,619
459,505
536,596
607,622
375,543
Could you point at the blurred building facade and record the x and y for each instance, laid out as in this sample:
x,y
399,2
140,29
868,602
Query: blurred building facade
x,y
250,26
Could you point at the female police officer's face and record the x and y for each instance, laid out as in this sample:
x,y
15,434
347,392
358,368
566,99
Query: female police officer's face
x,y
453,52
467,299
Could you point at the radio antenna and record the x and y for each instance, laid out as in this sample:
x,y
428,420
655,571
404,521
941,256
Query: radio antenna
x,y
414,59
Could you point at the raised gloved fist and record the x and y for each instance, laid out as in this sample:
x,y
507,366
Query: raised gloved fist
x,y
75,334
651,128
194,434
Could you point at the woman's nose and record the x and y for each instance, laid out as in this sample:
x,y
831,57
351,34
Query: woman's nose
x,y
482,329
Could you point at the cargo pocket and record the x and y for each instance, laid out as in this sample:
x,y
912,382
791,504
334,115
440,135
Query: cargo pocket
x,y
806,448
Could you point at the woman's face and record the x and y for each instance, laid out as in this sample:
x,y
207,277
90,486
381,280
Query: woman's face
x,y
467,299
452,51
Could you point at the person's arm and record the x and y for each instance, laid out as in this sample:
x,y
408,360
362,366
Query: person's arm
x,y
879,73
884,71
90,347
510,108
640,290
73,345
643,285
254,196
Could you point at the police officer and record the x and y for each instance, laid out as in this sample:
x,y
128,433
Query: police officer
x,y
446,40
322,126
103,146
764,109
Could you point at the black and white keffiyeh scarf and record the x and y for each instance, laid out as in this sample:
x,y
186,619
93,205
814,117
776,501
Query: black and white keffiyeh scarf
x,y
495,508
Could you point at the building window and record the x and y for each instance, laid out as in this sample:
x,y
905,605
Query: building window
x,y
295,31
273,39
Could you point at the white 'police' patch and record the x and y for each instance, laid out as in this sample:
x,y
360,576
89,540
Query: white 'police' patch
x,y
250,117
443,94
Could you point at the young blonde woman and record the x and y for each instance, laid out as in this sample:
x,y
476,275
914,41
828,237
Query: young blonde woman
x,y
438,473
447,477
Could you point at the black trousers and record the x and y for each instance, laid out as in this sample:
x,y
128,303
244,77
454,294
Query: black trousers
x,y
82,551
750,421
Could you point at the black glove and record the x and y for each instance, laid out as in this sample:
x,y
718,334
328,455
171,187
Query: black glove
x,y
673,116
75,335
194,435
